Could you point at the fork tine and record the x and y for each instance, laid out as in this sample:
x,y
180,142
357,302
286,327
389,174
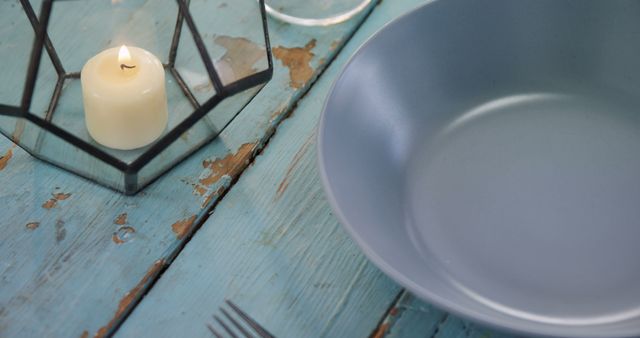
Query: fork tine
x,y
224,326
236,324
262,332
215,333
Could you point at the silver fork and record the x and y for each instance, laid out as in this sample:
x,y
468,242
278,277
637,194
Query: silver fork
x,y
233,327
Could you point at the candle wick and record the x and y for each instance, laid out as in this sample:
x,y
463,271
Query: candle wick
x,y
123,66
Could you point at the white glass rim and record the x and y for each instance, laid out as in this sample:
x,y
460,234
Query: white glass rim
x,y
331,20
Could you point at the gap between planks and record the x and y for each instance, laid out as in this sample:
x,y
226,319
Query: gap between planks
x,y
210,209
388,317
393,314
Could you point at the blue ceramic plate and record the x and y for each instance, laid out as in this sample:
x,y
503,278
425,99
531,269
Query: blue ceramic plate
x,y
486,155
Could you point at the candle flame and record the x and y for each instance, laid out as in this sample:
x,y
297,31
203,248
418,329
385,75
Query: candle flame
x,y
123,55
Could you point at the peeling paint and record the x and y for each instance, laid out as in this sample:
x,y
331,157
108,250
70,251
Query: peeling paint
x,y
335,44
197,189
18,131
230,165
122,234
294,163
241,56
298,61
61,196
116,239
32,225
200,190
121,219
131,296
217,193
275,116
53,202
380,331
182,227
5,159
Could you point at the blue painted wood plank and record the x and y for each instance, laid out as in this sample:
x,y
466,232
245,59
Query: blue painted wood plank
x,y
273,245
454,327
411,317
76,257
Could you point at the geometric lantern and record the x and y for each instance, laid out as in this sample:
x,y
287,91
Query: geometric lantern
x,y
186,70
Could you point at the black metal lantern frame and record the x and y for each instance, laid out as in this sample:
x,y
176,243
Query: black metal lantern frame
x,y
126,177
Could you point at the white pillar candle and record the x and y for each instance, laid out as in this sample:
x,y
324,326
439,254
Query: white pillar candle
x,y
125,102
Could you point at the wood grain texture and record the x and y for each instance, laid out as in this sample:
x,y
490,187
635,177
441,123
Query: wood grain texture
x,y
273,246
453,327
275,249
75,257
80,270
410,317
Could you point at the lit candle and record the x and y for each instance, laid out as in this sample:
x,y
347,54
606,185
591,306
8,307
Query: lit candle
x,y
125,102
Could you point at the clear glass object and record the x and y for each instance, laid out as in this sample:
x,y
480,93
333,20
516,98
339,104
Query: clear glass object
x,y
315,12
215,55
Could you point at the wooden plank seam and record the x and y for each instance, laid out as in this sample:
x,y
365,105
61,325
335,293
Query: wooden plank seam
x,y
150,279
390,316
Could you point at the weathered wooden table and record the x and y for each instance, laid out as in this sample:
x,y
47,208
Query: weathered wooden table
x,y
245,218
